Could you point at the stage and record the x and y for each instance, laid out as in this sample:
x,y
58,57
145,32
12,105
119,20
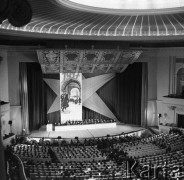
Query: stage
x,y
87,133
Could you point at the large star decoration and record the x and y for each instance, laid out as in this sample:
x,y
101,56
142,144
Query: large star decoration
x,y
55,86
90,98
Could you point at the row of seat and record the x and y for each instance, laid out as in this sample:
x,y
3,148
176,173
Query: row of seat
x,y
171,163
78,153
98,160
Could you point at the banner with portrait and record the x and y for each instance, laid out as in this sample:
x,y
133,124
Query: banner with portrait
x,y
70,97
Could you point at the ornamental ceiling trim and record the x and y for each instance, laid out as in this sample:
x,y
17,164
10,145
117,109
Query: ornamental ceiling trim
x,y
86,61
53,20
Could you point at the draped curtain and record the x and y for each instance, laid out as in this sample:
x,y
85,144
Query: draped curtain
x,y
128,91
126,95
144,95
36,100
23,89
36,97
89,114
50,96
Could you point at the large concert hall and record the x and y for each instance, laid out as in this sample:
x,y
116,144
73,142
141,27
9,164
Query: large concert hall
x,y
91,89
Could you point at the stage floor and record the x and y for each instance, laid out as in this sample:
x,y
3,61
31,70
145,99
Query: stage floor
x,y
87,133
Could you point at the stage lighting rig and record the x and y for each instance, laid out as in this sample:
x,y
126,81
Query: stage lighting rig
x,y
18,12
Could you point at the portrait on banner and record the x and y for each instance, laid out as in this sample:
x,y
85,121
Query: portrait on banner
x,y
70,97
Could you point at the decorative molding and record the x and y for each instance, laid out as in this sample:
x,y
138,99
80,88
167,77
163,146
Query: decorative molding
x,y
178,67
180,109
174,67
4,107
172,108
173,101
53,20
86,61
54,35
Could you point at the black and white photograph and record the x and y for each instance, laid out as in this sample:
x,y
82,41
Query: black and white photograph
x,y
91,89
71,94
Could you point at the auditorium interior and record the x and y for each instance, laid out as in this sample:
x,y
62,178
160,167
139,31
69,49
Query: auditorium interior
x,y
91,89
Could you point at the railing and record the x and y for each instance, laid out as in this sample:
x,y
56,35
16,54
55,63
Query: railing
x,y
21,168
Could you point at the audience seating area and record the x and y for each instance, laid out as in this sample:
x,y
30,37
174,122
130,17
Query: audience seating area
x,y
100,158
139,149
170,161
75,170
25,151
81,153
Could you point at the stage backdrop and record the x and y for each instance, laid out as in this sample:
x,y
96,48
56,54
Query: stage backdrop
x,y
125,95
121,96
71,94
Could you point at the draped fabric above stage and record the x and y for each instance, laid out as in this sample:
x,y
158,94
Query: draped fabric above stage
x,y
123,95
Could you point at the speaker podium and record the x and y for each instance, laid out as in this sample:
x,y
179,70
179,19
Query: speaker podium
x,y
49,127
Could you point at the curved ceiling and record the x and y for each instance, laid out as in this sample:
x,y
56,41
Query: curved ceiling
x,y
53,21
130,4
124,7
120,7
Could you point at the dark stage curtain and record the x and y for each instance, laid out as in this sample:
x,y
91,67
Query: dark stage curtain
x,y
36,97
89,114
144,95
23,89
126,95
36,100
54,117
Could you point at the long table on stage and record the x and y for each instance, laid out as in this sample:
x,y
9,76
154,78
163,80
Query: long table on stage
x,y
83,127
